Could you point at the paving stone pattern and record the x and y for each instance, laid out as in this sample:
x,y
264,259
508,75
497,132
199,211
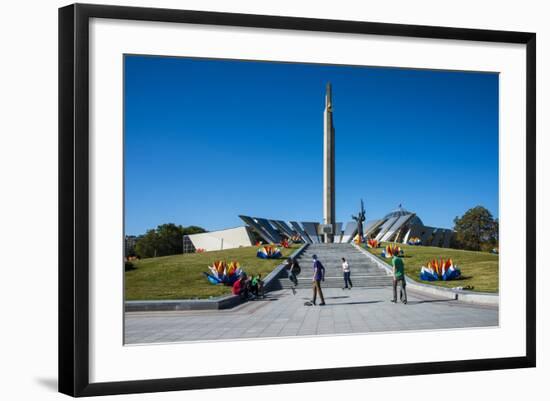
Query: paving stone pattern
x,y
365,308
282,314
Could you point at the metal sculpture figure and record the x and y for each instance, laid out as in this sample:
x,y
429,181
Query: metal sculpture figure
x,y
360,218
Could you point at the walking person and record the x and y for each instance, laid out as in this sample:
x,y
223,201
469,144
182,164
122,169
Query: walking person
x,y
318,276
399,276
347,274
293,269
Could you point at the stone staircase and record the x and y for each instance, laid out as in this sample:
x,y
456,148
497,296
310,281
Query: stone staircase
x,y
364,273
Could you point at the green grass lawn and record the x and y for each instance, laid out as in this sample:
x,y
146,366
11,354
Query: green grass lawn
x,y
180,276
479,269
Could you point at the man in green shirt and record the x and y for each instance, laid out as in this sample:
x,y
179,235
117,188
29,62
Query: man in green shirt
x,y
257,286
399,275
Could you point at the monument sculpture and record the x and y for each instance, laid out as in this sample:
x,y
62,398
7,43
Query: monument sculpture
x,y
360,218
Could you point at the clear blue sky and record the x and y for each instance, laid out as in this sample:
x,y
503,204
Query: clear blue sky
x,y
207,140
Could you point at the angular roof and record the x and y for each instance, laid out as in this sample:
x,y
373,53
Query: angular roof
x,y
397,213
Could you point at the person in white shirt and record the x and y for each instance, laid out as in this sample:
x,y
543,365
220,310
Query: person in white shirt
x,y
347,274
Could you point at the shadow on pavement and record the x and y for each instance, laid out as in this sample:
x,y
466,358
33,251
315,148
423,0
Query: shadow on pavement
x,y
428,301
356,303
267,298
341,297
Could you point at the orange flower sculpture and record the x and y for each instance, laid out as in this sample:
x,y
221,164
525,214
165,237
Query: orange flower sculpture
x,y
440,266
221,273
233,267
358,239
219,267
269,252
391,251
439,270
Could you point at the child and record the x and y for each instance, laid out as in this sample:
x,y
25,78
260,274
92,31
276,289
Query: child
x,y
347,273
257,286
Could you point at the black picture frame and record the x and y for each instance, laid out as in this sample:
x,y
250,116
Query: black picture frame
x,y
74,198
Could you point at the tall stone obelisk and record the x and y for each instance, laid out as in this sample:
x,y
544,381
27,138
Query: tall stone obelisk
x,y
328,167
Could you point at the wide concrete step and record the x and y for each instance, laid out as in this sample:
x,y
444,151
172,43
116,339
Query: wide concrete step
x,y
359,282
351,251
349,248
334,261
325,262
333,245
362,279
334,255
364,273
326,251
338,268
338,273
369,274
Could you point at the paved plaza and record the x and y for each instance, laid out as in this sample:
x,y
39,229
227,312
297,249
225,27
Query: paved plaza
x,y
282,314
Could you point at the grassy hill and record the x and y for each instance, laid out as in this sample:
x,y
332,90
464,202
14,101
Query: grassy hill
x,y
479,269
180,276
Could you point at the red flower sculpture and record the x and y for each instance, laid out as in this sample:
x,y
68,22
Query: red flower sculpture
x,y
372,243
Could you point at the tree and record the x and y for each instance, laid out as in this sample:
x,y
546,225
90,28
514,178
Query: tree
x,y
476,229
166,239
147,245
495,231
193,230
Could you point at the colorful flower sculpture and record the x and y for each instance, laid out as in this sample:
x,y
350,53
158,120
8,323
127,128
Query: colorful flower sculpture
x,y
269,252
358,239
391,251
221,273
296,238
439,270
372,243
414,241
285,244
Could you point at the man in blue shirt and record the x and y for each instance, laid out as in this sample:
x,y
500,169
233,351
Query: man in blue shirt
x,y
318,276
